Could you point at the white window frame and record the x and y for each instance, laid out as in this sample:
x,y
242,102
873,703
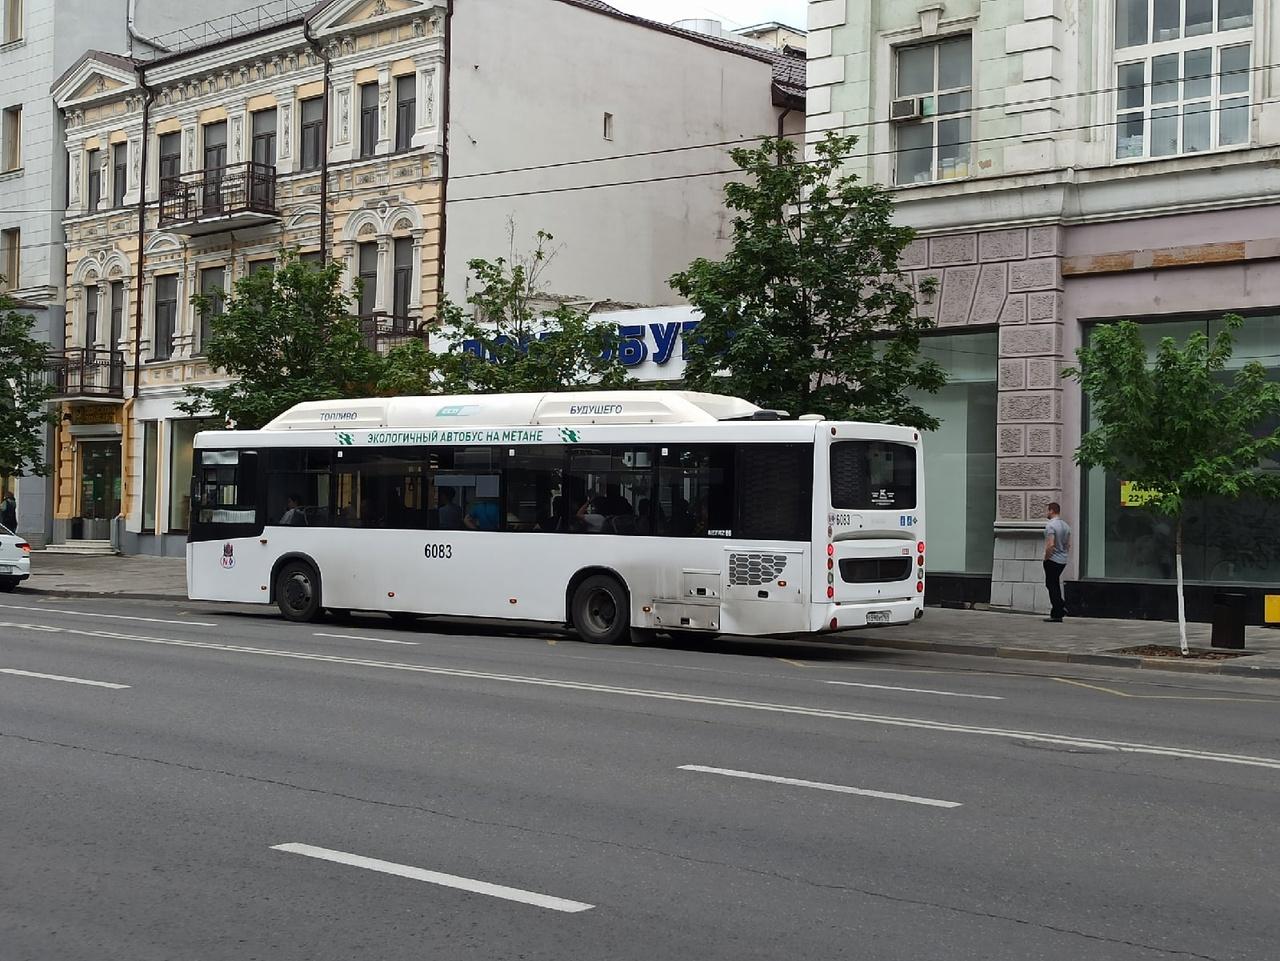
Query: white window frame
x,y
1146,55
935,119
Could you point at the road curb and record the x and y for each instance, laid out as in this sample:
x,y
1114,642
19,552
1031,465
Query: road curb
x,y
100,595
1228,668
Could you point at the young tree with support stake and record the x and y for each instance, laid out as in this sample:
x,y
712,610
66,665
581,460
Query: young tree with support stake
x,y
1178,428
24,394
809,312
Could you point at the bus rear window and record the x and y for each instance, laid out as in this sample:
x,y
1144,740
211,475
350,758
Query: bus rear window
x,y
869,475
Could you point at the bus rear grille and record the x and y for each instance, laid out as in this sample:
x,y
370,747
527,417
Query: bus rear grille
x,y
753,570
874,570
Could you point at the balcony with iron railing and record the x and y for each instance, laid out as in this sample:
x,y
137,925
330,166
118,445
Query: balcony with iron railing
x,y
217,199
382,331
86,372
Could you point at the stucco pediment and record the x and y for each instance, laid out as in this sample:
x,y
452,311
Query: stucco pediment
x,y
345,14
92,79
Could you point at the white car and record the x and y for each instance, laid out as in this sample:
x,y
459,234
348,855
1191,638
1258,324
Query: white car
x,y
15,560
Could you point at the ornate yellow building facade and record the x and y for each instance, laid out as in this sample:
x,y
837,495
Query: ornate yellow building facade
x,y
224,147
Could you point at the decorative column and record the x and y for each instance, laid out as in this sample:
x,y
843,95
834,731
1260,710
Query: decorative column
x,y
75,157
384,299
184,337
384,111
415,285
103,333
1029,465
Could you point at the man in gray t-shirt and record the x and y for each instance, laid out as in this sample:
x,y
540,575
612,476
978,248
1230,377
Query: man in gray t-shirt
x,y
1057,545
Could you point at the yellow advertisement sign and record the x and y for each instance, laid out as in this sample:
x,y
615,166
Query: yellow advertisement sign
x,y
1131,495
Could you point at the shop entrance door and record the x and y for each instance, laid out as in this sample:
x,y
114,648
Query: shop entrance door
x,y
99,489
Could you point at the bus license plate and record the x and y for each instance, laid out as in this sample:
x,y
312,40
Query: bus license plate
x,y
878,617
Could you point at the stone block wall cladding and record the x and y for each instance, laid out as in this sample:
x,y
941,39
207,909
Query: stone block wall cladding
x,y
1011,280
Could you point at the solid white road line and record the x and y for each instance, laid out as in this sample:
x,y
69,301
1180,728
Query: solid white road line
x,y
110,617
435,877
822,786
357,637
917,723
59,677
916,690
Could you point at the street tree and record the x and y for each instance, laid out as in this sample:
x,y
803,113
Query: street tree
x,y
513,338
1179,429
24,393
283,337
809,312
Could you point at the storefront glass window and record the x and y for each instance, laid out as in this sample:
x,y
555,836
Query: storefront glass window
x,y
1223,541
150,458
182,435
960,457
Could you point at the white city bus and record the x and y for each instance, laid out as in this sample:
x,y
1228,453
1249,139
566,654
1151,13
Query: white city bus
x,y
618,513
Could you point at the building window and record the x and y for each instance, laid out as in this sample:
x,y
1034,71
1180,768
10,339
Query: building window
x,y
368,119
368,273
1183,76
402,283
119,173
166,312
150,462
211,284
608,126
12,139
10,258
312,132
264,138
406,110
940,77
170,157
1224,541
12,21
93,161
90,316
117,314
182,435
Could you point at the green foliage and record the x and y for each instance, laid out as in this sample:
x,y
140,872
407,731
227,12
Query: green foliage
x,y
531,344
809,312
24,394
284,337
1179,428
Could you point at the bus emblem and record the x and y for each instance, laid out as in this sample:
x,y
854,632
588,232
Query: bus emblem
x,y
345,439
568,436
228,559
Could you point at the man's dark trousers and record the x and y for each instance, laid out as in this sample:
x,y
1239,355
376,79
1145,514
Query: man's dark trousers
x,y
1053,581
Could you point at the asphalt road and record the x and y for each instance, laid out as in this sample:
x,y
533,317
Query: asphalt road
x,y
251,789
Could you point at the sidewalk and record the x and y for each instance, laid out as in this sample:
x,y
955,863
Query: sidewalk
x,y
944,631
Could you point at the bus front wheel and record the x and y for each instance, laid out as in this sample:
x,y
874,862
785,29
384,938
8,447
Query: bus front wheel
x,y
298,591
601,611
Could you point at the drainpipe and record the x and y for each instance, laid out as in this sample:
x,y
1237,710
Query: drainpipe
x,y
782,120
142,229
445,104
130,22
324,144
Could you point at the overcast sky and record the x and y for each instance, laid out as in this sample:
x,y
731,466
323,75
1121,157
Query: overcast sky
x,y
733,13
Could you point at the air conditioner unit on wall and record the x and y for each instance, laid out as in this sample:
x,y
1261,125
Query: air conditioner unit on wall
x,y
909,108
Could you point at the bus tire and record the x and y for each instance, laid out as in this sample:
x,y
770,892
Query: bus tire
x,y
602,610
298,592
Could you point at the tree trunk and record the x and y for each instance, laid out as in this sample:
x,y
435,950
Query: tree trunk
x,y
1182,605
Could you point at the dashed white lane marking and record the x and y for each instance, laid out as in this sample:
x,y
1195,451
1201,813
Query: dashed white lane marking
x,y
59,677
359,637
110,617
917,723
435,877
916,690
822,786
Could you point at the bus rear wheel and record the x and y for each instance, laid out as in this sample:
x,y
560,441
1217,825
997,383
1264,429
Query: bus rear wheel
x,y
298,592
601,611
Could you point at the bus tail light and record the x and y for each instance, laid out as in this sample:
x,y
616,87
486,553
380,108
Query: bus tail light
x,y
831,550
920,548
833,623
831,592
919,587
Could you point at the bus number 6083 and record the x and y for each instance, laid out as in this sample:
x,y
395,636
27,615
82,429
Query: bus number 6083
x,y
442,552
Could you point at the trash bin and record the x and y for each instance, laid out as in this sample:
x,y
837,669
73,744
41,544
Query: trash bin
x,y
1228,620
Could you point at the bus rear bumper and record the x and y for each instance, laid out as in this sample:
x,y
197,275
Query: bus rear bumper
x,y
843,617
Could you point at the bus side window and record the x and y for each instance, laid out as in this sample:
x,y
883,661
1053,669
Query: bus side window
x,y
224,493
696,491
